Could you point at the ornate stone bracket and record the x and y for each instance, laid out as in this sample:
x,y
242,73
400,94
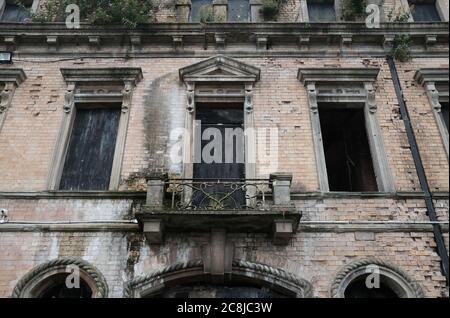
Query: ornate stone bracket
x,y
371,101
190,92
248,104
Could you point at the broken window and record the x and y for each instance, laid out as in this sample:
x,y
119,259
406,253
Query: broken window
x,y
91,148
201,11
347,151
444,113
321,11
16,11
424,11
238,10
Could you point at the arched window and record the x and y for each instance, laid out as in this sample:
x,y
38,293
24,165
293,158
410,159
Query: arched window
x,y
373,278
62,278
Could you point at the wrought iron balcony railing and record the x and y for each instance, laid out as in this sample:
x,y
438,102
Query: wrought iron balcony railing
x,y
213,194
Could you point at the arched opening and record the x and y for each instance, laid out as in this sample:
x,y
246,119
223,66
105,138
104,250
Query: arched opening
x,y
62,278
56,287
205,290
374,278
247,280
358,288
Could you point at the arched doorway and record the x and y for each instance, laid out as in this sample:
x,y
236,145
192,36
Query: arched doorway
x,y
374,278
247,280
53,280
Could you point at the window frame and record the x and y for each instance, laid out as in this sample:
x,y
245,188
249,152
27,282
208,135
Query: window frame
x,y
434,81
88,85
326,85
34,8
414,2
305,11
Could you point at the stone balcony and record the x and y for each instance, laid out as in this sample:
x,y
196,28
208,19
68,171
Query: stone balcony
x,y
246,206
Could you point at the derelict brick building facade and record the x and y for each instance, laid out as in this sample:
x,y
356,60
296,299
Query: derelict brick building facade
x,y
297,235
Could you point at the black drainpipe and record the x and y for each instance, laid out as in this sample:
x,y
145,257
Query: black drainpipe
x,y
441,249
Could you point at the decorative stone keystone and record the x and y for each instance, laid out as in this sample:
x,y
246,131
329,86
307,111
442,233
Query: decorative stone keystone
x,y
281,186
220,8
283,230
255,11
183,10
155,190
153,231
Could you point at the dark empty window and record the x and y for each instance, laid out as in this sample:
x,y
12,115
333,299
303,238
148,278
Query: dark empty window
x,y
347,152
424,11
444,113
201,10
55,287
238,10
358,289
91,148
321,11
16,11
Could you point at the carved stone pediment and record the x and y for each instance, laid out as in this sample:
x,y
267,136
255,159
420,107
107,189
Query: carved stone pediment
x,y
435,75
220,68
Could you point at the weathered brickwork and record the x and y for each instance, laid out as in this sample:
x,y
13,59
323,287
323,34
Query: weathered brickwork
x,y
105,228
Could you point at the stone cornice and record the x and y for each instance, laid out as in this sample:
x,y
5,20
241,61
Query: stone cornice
x,y
435,75
14,75
120,74
192,39
329,74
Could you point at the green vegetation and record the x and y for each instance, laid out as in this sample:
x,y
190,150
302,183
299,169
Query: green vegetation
x,y
353,10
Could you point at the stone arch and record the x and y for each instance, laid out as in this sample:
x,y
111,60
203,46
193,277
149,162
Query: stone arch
x,y
398,280
36,278
242,271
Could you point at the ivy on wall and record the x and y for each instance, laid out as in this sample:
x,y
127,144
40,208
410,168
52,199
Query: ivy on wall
x,y
353,10
129,13
271,8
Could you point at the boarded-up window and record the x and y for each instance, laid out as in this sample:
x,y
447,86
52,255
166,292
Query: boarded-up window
x,y
321,11
201,10
15,12
91,148
424,11
238,10
444,113
347,152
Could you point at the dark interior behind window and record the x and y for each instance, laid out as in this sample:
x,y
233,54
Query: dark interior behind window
x,y
424,11
347,151
321,11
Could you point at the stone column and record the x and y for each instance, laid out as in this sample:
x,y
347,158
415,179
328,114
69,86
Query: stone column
x,y
183,10
255,11
220,8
